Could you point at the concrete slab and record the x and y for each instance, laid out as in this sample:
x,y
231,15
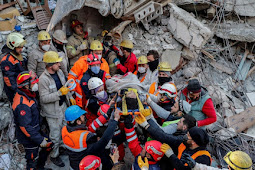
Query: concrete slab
x,y
172,57
251,97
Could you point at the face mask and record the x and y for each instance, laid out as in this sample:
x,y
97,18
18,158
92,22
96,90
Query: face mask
x,y
95,69
153,65
60,47
185,141
46,47
141,69
35,87
102,96
120,53
99,57
163,80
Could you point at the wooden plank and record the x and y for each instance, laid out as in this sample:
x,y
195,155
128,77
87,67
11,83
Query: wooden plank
x,y
208,54
242,121
7,5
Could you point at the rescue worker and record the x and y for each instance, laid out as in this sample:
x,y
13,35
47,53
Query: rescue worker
x,y
80,142
93,71
77,45
127,62
164,76
202,108
54,99
110,51
144,73
151,150
81,66
35,57
13,63
153,61
26,117
236,160
59,42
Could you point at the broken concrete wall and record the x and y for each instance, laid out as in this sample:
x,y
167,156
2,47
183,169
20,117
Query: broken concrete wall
x,y
192,5
240,7
186,29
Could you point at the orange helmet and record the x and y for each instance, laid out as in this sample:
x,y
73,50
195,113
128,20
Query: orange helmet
x,y
75,23
90,162
153,148
25,78
103,109
93,59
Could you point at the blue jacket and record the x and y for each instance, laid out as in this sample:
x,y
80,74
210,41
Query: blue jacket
x,y
26,117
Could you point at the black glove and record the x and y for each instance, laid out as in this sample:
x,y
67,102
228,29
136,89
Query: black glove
x,y
186,158
128,121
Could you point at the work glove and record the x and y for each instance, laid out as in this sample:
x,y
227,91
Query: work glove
x,y
147,113
44,143
82,47
141,120
63,91
72,100
116,61
166,149
143,165
186,158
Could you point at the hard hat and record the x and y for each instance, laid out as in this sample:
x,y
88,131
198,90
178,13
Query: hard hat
x,y
25,78
51,57
103,33
142,60
238,160
127,44
96,45
43,35
170,89
75,23
103,109
153,148
93,59
94,83
90,162
73,112
15,40
60,36
164,66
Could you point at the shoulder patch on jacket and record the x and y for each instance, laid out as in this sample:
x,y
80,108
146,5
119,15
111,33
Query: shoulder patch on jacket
x,y
84,83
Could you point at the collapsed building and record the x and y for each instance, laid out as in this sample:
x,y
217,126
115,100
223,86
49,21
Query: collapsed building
x,y
212,40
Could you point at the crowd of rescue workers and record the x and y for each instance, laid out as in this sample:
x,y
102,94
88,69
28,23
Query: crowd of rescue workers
x,y
61,106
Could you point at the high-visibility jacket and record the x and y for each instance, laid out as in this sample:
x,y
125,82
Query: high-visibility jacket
x,y
182,147
75,141
26,117
129,65
154,89
77,71
11,66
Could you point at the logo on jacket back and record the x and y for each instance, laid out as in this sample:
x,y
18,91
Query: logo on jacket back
x,y
22,112
7,68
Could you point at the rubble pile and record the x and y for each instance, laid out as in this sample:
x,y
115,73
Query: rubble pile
x,y
208,39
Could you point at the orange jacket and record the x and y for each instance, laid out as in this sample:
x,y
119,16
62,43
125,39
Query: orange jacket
x,y
77,71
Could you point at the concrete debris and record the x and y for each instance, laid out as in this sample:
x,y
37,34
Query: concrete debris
x,y
240,7
172,57
6,116
188,54
191,72
186,29
217,94
190,6
251,97
222,68
5,161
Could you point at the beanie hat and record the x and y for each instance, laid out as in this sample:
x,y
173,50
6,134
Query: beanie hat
x,y
199,135
194,86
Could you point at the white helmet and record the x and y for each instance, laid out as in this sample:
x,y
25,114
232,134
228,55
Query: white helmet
x,y
170,89
94,83
15,40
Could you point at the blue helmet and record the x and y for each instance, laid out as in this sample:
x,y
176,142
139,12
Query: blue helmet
x,y
73,113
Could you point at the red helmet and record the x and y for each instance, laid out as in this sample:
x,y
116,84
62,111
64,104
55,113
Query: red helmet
x,y
90,162
75,23
103,109
93,59
24,78
153,148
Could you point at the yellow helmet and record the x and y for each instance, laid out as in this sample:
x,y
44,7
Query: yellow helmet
x,y
15,40
164,66
43,35
238,160
127,44
51,57
103,33
142,60
96,45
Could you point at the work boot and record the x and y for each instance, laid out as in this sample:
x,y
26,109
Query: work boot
x,y
57,161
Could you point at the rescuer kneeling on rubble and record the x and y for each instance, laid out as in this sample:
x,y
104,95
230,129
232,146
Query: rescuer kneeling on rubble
x,y
80,142
26,116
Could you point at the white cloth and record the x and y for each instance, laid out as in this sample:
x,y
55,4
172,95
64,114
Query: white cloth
x,y
205,167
